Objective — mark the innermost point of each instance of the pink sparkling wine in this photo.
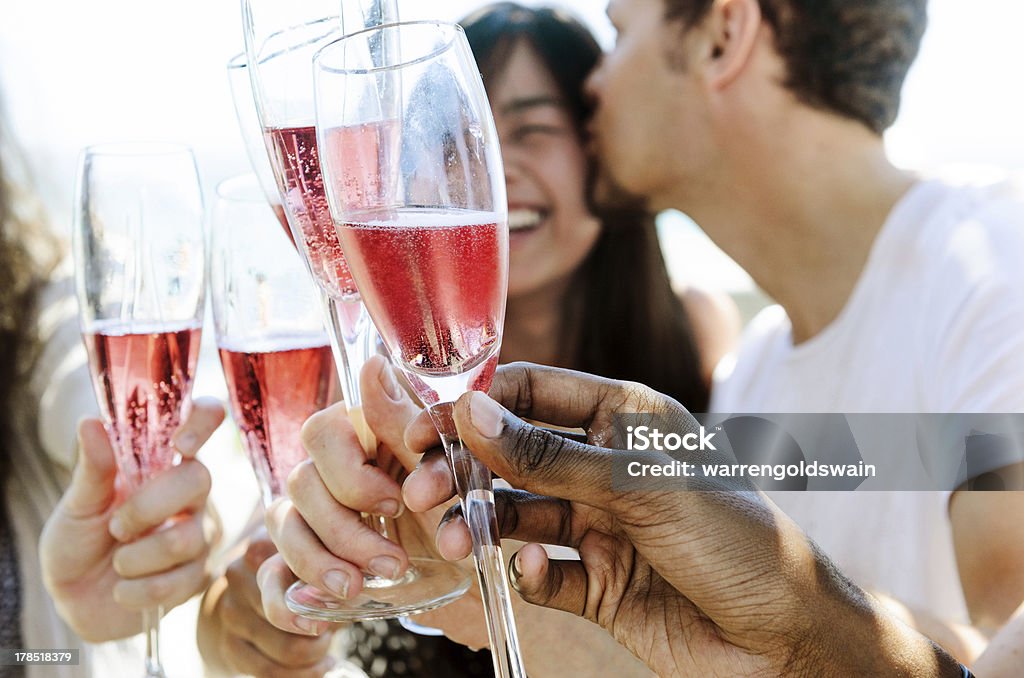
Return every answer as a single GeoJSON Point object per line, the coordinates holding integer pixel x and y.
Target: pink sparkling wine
{"type": "Point", "coordinates": [434, 283]}
{"type": "Point", "coordinates": [143, 381]}
{"type": "Point", "coordinates": [302, 185]}
{"type": "Point", "coordinates": [273, 389]}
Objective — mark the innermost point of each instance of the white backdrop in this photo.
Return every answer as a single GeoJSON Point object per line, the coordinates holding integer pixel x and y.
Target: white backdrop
{"type": "Point", "coordinates": [75, 73]}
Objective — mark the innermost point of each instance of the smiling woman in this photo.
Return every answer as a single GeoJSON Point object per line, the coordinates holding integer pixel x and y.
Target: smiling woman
{"type": "Point", "coordinates": [588, 287]}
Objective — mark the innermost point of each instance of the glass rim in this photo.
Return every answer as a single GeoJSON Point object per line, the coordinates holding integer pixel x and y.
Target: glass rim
{"type": "Point", "coordinates": [321, 54]}
{"type": "Point", "coordinates": [138, 149]}
{"type": "Point", "coordinates": [240, 60]}
{"type": "Point", "coordinates": [269, 43]}
{"type": "Point", "coordinates": [226, 189]}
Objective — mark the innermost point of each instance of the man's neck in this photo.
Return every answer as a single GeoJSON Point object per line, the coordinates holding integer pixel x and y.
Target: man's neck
{"type": "Point", "coordinates": [802, 217]}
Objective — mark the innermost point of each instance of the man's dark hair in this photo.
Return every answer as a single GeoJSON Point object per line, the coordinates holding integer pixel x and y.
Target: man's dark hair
{"type": "Point", "coordinates": [847, 57]}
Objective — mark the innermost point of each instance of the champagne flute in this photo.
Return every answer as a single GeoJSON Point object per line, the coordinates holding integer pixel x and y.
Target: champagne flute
{"type": "Point", "coordinates": [273, 348]}
{"type": "Point", "coordinates": [420, 208]}
{"type": "Point", "coordinates": [252, 136]}
{"type": "Point", "coordinates": [280, 42]}
{"type": "Point", "coordinates": [140, 278]}
{"type": "Point", "coordinates": [260, 161]}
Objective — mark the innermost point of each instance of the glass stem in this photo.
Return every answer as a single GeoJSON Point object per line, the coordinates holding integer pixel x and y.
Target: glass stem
{"type": "Point", "coordinates": [151, 625]}
{"type": "Point", "coordinates": [354, 341]}
{"type": "Point", "coordinates": [473, 483]}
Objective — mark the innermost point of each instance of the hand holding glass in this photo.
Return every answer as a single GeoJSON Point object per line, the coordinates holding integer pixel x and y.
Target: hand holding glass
{"type": "Point", "coordinates": [140, 276]}
{"type": "Point", "coordinates": [280, 43]}
{"type": "Point", "coordinates": [415, 183]}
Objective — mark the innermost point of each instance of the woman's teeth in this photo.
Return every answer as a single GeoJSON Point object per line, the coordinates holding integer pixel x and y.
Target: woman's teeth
{"type": "Point", "coordinates": [519, 220]}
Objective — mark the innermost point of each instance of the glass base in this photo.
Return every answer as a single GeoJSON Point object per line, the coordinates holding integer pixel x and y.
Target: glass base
{"type": "Point", "coordinates": [419, 629]}
{"type": "Point", "coordinates": [427, 585]}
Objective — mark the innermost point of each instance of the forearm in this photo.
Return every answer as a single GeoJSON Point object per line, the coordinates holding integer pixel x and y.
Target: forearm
{"type": "Point", "coordinates": [819, 622]}
{"type": "Point", "coordinates": [1005, 653]}
{"type": "Point", "coordinates": [831, 627]}
{"type": "Point", "coordinates": [988, 538]}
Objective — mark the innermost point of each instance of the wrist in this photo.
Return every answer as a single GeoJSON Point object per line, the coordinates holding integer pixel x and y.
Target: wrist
{"type": "Point", "coordinates": [861, 637]}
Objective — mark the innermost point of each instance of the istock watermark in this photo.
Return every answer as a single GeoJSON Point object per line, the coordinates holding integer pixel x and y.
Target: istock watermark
{"type": "Point", "coordinates": [643, 438]}
{"type": "Point", "coordinates": [833, 452]}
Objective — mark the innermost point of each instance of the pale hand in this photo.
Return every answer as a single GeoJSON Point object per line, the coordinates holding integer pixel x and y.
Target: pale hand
{"type": "Point", "coordinates": [235, 636]}
{"type": "Point", "coordinates": [102, 561]}
{"type": "Point", "coordinates": [318, 530]}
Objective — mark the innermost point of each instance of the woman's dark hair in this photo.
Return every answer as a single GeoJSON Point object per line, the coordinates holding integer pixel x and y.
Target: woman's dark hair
{"type": "Point", "coordinates": [623, 321]}
{"type": "Point", "coordinates": [27, 255]}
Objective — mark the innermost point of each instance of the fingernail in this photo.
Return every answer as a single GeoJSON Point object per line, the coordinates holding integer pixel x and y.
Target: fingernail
{"type": "Point", "coordinates": [448, 520]}
{"type": "Point", "coordinates": [307, 626]}
{"type": "Point", "coordinates": [514, 573]}
{"type": "Point", "coordinates": [450, 516]}
{"type": "Point", "coordinates": [389, 508]}
{"type": "Point", "coordinates": [385, 567]}
{"type": "Point", "coordinates": [186, 443]}
{"type": "Point", "coordinates": [390, 384]}
{"type": "Point", "coordinates": [336, 582]}
{"type": "Point", "coordinates": [487, 416]}
{"type": "Point", "coordinates": [117, 530]}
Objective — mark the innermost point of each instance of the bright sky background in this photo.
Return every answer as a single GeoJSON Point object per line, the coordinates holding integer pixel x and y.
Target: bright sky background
{"type": "Point", "coordinates": [75, 73]}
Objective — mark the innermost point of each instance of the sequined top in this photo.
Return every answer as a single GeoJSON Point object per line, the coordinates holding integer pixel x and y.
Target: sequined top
{"type": "Point", "coordinates": [10, 593]}
{"type": "Point", "coordinates": [385, 649]}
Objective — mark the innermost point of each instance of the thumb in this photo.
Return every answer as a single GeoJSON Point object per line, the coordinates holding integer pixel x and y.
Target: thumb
{"type": "Point", "coordinates": [388, 408]}
{"type": "Point", "coordinates": [92, 489]}
{"type": "Point", "coordinates": [533, 458]}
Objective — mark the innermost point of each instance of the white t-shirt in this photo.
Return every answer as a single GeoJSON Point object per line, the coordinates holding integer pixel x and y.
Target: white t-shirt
{"type": "Point", "coordinates": [935, 324]}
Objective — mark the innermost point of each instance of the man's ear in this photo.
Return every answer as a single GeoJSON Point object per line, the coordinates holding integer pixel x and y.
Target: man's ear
{"type": "Point", "coordinates": [731, 28]}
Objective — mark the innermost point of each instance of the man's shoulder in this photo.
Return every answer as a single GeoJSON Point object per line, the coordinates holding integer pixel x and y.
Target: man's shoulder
{"type": "Point", "coordinates": [970, 235]}
{"type": "Point", "coordinates": [992, 211]}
